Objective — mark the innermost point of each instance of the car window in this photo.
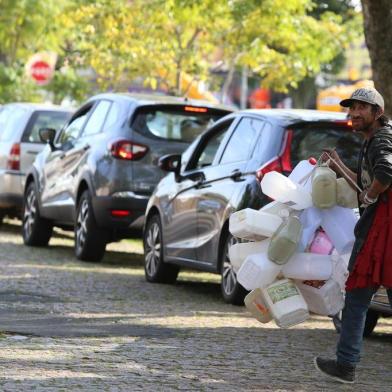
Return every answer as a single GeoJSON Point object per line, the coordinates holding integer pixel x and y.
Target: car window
{"type": "Point", "coordinates": [72, 130]}
{"type": "Point", "coordinates": [95, 122]}
{"type": "Point", "coordinates": [206, 154]}
{"type": "Point", "coordinates": [44, 119]}
{"type": "Point", "coordinates": [243, 141]}
{"type": "Point", "coordinates": [12, 119]}
{"type": "Point", "coordinates": [113, 115]}
{"type": "Point", "coordinates": [182, 123]}
{"type": "Point", "coordinates": [309, 141]}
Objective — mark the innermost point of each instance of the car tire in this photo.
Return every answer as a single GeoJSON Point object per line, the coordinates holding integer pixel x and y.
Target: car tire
{"type": "Point", "coordinates": [90, 240]}
{"type": "Point", "coordinates": [370, 322]}
{"type": "Point", "coordinates": [36, 231]}
{"type": "Point", "coordinates": [155, 269]}
{"type": "Point", "coordinates": [232, 292]}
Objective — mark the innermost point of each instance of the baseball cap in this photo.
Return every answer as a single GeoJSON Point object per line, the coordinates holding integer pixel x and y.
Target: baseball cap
{"type": "Point", "coordinates": [365, 94]}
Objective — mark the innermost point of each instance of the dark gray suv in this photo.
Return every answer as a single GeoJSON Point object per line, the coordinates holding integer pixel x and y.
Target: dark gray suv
{"type": "Point", "coordinates": [97, 174]}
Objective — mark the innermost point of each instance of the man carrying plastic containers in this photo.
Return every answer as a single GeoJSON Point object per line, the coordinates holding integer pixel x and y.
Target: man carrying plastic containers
{"type": "Point", "coordinates": [370, 263]}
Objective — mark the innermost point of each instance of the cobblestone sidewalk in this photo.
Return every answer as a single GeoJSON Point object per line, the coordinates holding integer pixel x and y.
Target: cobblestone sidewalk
{"type": "Point", "coordinates": [72, 326]}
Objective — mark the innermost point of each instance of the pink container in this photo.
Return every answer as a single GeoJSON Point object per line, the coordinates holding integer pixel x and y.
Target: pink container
{"type": "Point", "coordinates": [321, 244]}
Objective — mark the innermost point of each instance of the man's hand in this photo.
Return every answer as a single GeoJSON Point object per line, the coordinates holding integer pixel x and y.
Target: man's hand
{"type": "Point", "coordinates": [326, 156]}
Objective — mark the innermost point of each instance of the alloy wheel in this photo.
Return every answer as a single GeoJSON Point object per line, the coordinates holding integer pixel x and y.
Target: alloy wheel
{"type": "Point", "coordinates": [30, 213]}
{"type": "Point", "coordinates": [152, 249]}
{"type": "Point", "coordinates": [81, 224]}
{"type": "Point", "coordinates": [229, 277]}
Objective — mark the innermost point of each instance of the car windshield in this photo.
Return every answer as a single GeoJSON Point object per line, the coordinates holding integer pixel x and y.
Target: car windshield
{"type": "Point", "coordinates": [309, 140]}
{"type": "Point", "coordinates": [182, 123]}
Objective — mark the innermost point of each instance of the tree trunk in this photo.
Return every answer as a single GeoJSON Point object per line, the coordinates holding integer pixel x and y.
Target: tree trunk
{"type": "Point", "coordinates": [378, 35]}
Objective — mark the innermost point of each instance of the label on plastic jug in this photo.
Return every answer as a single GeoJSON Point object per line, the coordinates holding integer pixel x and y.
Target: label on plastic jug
{"type": "Point", "coordinates": [282, 291]}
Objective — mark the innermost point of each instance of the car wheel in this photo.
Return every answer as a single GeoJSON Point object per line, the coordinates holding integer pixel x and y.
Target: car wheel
{"type": "Point", "coordinates": [370, 322]}
{"type": "Point", "coordinates": [155, 269]}
{"type": "Point", "coordinates": [36, 230]}
{"type": "Point", "coordinates": [90, 240]}
{"type": "Point", "coordinates": [232, 292]}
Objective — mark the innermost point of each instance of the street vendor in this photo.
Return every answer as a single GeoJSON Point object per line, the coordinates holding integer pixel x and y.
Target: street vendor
{"type": "Point", "coordinates": [370, 264]}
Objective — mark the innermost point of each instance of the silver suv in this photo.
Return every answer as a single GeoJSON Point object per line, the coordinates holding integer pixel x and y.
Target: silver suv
{"type": "Point", "coordinates": [96, 175]}
{"type": "Point", "coordinates": [19, 144]}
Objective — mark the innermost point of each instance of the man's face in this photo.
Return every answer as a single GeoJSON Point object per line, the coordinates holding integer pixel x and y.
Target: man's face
{"type": "Point", "coordinates": [362, 115]}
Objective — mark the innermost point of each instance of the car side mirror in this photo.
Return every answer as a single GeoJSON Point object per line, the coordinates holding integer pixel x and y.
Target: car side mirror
{"type": "Point", "coordinates": [47, 135]}
{"type": "Point", "coordinates": [171, 163]}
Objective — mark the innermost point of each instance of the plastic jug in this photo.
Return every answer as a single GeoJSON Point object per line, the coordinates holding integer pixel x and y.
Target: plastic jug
{"type": "Point", "coordinates": [277, 208]}
{"type": "Point", "coordinates": [254, 302]}
{"type": "Point", "coordinates": [324, 187]}
{"type": "Point", "coordinates": [321, 243]}
{"type": "Point", "coordinates": [305, 266]}
{"type": "Point", "coordinates": [257, 271]}
{"type": "Point", "coordinates": [311, 221]}
{"type": "Point", "coordinates": [339, 223]}
{"type": "Point", "coordinates": [285, 240]}
{"type": "Point", "coordinates": [240, 251]}
{"type": "Point", "coordinates": [301, 174]}
{"type": "Point", "coordinates": [286, 303]}
{"type": "Point", "coordinates": [324, 298]}
{"type": "Point", "coordinates": [281, 188]}
{"type": "Point", "coordinates": [346, 196]}
{"type": "Point", "coordinates": [339, 271]}
{"type": "Point", "coordinates": [252, 224]}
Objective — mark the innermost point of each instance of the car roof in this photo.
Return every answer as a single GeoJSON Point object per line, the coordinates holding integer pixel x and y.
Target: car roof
{"type": "Point", "coordinates": [155, 99]}
{"type": "Point", "coordinates": [38, 106]}
{"type": "Point", "coordinates": [292, 116]}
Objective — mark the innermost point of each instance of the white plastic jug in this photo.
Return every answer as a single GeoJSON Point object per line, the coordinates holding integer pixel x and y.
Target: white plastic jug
{"type": "Point", "coordinates": [346, 196]}
{"type": "Point", "coordinates": [285, 240]}
{"type": "Point", "coordinates": [240, 251]}
{"type": "Point", "coordinates": [339, 270]}
{"type": "Point", "coordinates": [339, 223]}
{"type": "Point", "coordinates": [257, 271]}
{"type": "Point", "coordinates": [324, 187]}
{"type": "Point", "coordinates": [285, 302]}
{"type": "Point", "coordinates": [281, 188]}
{"type": "Point", "coordinates": [305, 266]}
{"type": "Point", "coordinates": [277, 208]}
{"type": "Point", "coordinates": [252, 224]}
{"type": "Point", "coordinates": [324, 298]}
{"type": "Point", "coordinates": [311, 221]}
{"type": "Point", "coordinates": [301, 174]}
{"type": "Point", "coordinates": [254, 302]}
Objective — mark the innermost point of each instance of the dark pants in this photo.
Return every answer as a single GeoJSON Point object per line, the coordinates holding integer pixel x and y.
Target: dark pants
{"type": "Point", "coordinates": [353, 323]}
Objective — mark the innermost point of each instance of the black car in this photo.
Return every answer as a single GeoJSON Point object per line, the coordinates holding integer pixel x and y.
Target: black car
{"type": "Point", "coordinates": [188, 214]}
{"type": "Point", "coordinates": [96, 175]}
{"type": "Point", "coordinates": [379, 307]}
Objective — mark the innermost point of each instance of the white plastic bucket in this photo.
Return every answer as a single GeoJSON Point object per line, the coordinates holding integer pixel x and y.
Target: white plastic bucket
{"type": "Point", "coordinates": [252, 224]}
{"type": "Point", "coordinates": [339, 223]}
{"type": "Point", "coordinates": [277, 208]}
{"type": "Point", "coordinates": [240, 251]}
{"type": "Point", "coordinates": [254, 302]}
{"type": "Point", "coordinates": [311, 221]}
{"type": "Point", "coordinates": [324, 298]}
{"type": "Point", "coordinates": [305, 266]}
{"type": "Point", "coordinates": [285, 302]}
{"type": "Point", "coordinates": [281, 188]}
{"type": "Point", "coordinates": [257, 271]}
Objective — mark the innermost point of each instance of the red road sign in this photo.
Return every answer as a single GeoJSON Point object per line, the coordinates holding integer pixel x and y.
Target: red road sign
{"type": "Point", "coordinates": [41, 71]}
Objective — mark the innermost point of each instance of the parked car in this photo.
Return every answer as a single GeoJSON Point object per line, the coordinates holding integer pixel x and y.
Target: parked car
{"type": "Point", "coordinates": [188, 214]}
{"type": "Point", "coordinates": [379, 307]}
{"type": "Point", "coordinates": [19, 144]}
{"type": "Point", "coordinates": [97, 174]}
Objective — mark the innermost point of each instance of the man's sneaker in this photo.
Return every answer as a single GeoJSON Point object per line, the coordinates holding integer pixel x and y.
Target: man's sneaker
{"type": "Point", "coordinates": [337, 371]}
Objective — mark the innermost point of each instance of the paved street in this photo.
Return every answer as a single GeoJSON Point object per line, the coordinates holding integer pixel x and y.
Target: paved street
{"type": "Point", "coordinates": [72, 326]}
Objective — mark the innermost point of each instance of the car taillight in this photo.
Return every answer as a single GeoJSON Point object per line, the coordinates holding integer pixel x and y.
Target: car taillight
{"type": "Point", "coordinates": [120, 213]}
{"type": "Point", "coordinates": [125, 149]}
{"type": "Point", "coordinates": [13, 162]}
{"type": "Point", "coordinates": [280, 163]}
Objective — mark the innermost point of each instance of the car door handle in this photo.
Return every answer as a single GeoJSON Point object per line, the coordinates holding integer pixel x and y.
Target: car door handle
{"type": "Point", "coordinates": [32, 152]}
{"type": "Point", "coordinates": [236, 175]}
